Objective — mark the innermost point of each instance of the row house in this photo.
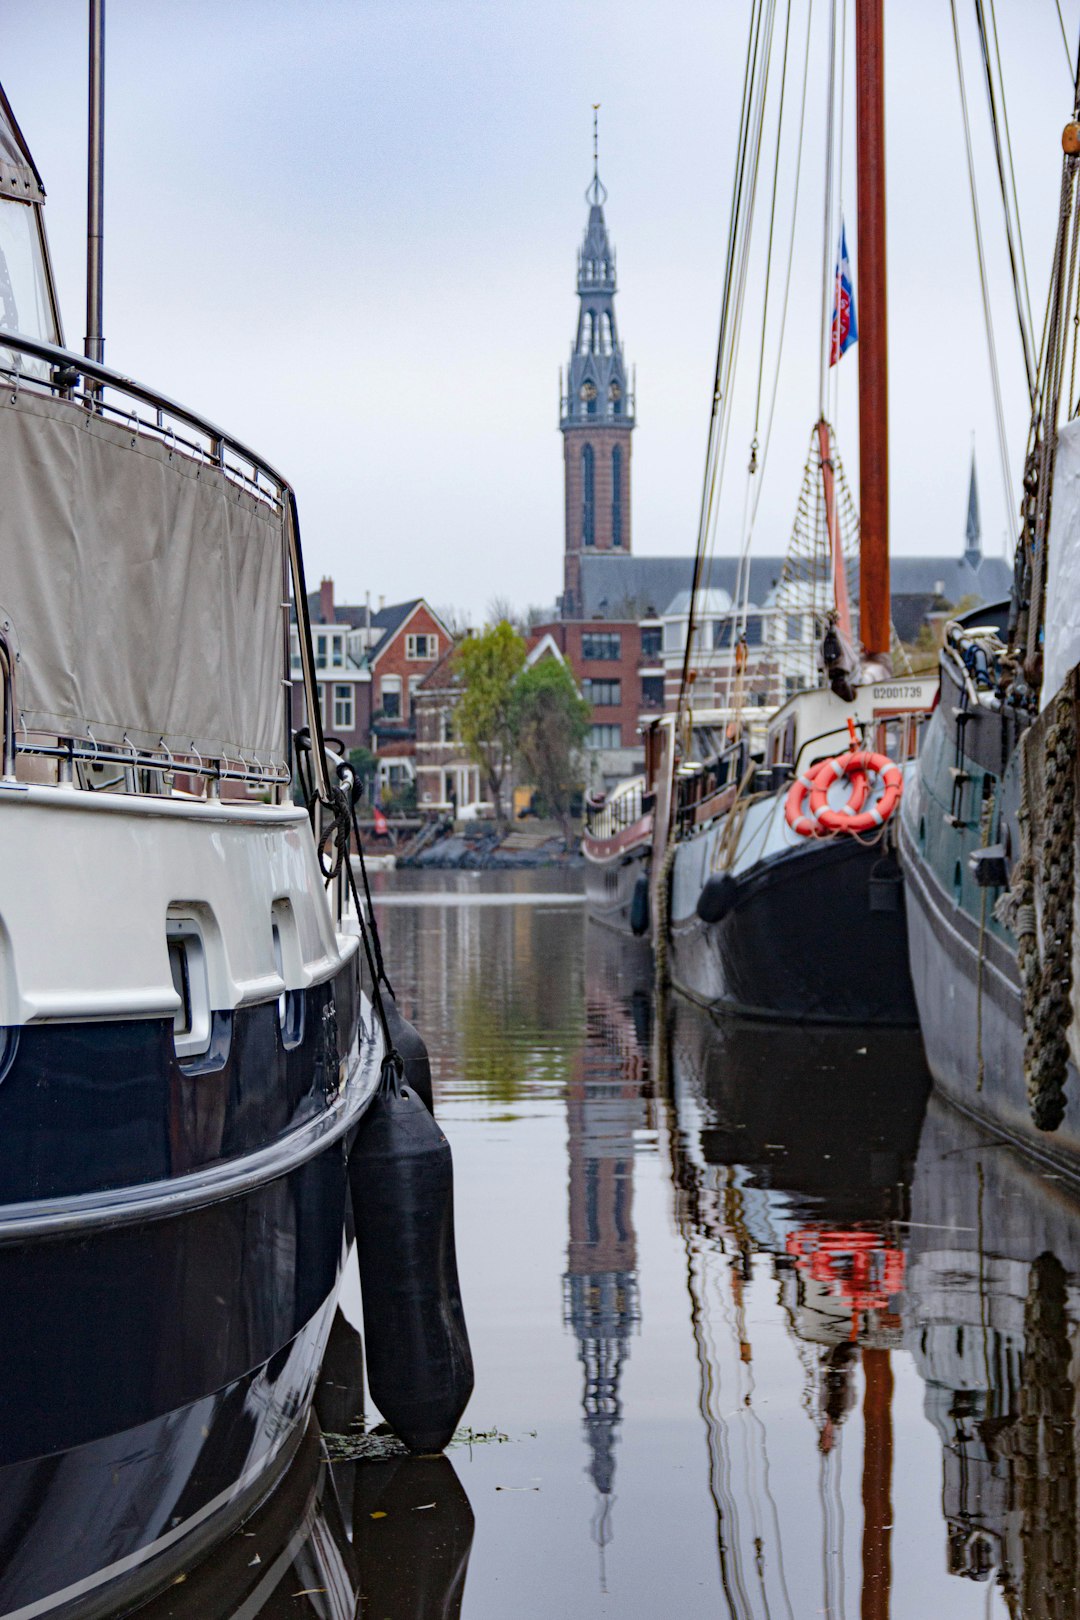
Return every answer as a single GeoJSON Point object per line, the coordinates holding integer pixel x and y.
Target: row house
{"type": "Point", "coordinates": [369, 665]}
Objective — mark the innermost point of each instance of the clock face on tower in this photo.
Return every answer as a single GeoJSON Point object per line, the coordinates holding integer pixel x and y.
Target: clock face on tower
{"type": "Point", "coordinates": [588, 391]}
{"type": "Point", "coordinates": [615, 392]}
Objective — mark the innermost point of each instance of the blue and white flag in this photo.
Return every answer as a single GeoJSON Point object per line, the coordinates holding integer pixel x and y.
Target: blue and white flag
{"type": "Point", "coordinates": [845, 326]}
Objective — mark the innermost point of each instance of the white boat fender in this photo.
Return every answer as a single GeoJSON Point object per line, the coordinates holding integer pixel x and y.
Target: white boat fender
{"type": "Point", "coordinates": [718, 897]}
{"type": "Point", "coordinates": [419, 1363]}
{"type": "Point", "coordinates": [639, 907]}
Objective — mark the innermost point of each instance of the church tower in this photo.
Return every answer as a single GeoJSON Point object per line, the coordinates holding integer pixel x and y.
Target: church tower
{"type": "Point", "coordinates": [596, 411]}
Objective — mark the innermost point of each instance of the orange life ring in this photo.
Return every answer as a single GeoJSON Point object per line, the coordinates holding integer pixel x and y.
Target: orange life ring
{"type": "Point", "coordinates": [817, 784]}
{"type": "Point", "coordinates": [851, 817]}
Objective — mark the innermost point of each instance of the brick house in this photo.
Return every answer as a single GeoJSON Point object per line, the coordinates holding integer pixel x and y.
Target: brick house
{"type": "Point", "coordinates": [369, 666]}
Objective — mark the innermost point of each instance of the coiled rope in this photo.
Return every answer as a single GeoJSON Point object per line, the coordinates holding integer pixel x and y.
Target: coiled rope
{"type": "Point", "coordinates": [1046, 968]}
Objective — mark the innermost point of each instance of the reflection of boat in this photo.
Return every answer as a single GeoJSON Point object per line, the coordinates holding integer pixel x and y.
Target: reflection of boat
{"type": "Point", "coordinates": [826, 1119]}
{"type": "Point", "coordinates": [991, 1321]}
{"type": "Point", "coordinates": [338, 1540]}
{"type": "Point", "coordinates": [185, 1052]}
{"type": "Point", "coordinates": [791, 1155]}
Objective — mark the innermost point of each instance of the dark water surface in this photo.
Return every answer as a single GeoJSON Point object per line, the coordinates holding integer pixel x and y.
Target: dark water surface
{"type": "Point", "coordinates": [758, 1330]}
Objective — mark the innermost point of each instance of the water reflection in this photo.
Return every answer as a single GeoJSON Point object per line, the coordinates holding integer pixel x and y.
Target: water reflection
{"type": "Point", "coordinates": [791, 1153]}
{"type": "Point", "coordinates": [342, 1540]}
{"type": "Point", "coordinates": [765, 1333]}
{"type": "Point", "coordinates": [992, 1325]}
{"type": "Point", "coordinates": [607, 1103]}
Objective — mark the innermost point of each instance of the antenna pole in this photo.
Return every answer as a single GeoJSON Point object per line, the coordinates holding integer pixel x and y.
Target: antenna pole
{"type": "Point", "coordinates": [874, 606]}
{"type": "Point", "coordinates": [94, 346]}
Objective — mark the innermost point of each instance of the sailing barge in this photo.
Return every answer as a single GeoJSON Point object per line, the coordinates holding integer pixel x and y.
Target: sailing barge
{"type": "Point", "coordinates": [775, 886]}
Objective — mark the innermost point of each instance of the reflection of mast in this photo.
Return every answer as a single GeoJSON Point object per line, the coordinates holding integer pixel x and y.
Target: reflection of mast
{"type": "Point", "coordinates": [877, 1484]}
{"type": "Point", "coordinates": [600, 1297]}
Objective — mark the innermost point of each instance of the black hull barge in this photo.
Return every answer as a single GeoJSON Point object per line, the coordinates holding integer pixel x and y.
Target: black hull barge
{"type": "Point", "coordinates": [780, 951]}
{"type": "Point", "coordinates": [767, 916]}
{"type": "Point", "coordinates": [617, 846]}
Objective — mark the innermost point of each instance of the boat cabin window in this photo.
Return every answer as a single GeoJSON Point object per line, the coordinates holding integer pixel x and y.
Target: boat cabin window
{"type": "Point", "coordinates": [25, 305]}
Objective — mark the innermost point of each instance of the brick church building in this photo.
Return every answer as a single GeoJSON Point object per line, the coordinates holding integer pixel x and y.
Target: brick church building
{"type": "Point", "coordinates": [621, 621]}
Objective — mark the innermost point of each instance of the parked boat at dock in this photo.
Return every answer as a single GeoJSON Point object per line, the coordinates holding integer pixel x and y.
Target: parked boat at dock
{"type": "Point", "coordinates": [189, 1038]}
{"type": "Point", "coordinates": [989, 830]}
{"type": "Point", "coordinates": [776, 892]}
{"type": "Point", "coordinates": [617, 846]}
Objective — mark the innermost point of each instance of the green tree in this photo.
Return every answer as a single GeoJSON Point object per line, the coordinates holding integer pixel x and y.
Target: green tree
{"type": "Point", "coordinates": [489, 665]}
{"type": "Point", "coordinates": [550, 719]}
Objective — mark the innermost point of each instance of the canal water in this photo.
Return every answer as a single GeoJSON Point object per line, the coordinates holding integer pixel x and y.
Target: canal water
{"type": "Point", "coordinates": [761, 1328]}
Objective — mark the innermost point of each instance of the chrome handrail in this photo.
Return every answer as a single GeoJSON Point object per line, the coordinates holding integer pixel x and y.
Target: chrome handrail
{"type": "Point", "coordinates": [68, 367]}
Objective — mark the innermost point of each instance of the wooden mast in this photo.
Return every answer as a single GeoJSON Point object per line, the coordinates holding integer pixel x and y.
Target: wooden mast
{"type": "Point", "coordinates": [874, 612]}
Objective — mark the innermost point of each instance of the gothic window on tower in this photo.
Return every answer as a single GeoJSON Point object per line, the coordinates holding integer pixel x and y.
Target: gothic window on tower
{"type": "Point", "coordinates": [588, 519]}
{"type": "Point", "coordinates": [588, 398]}
{"type": "Point", "coordinates": [614, 400]}
{"type": "Point", "coordinates": [616, 496]}
{"type": "Point", "coordinates": [588, 333]}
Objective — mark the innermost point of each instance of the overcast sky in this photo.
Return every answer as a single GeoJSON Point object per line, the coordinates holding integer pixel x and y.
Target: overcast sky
{"type": "Point", "coordinates": [347, 232]}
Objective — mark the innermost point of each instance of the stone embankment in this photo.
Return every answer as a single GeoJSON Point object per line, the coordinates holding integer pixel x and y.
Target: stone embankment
{"type": "Point", "coordinates": [478, 847]}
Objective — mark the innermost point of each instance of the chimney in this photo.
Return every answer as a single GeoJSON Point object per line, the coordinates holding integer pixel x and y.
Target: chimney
{"type": "Point", "coordinates": [382, 603]}
{"type": "Point", "coordinates": [326, 601]}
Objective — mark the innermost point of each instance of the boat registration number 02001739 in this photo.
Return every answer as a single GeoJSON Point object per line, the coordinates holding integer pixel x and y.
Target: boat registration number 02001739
{"type": "Point", "coordinates": [905, 694]}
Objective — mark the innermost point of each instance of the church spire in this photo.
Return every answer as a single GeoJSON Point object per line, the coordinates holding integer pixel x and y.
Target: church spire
{"type": "Point", "coordinates": [973, 532]}
{"type": "Point", "coordinates": [597, 409]}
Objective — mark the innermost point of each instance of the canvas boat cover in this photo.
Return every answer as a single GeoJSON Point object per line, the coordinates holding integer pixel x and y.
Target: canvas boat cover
{"type": "Point", "coordinates": [1061, 649]}
{"type": "Point", "coordinates": [18, 171]}
{"type": "Point", "coordinates": [142, 588]}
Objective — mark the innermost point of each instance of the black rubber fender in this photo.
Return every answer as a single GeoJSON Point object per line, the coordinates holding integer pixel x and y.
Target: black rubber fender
{"type": "Point", "coordinates": [717, 897]}
{"type": "Point", "coordinates": [401, 1175]}
{"type": "Point", "coordinates": [410, 1046]}
{"type": "Point", "coordinates": [639, 907]}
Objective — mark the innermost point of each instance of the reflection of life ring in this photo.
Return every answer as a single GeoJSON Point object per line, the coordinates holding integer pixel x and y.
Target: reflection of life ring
{"type": "Point", "coordinates": [817, 784]}
{"type": "Point", "coordinates": [851, 817]}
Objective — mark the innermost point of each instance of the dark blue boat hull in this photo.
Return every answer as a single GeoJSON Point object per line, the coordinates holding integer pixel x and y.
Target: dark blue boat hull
{"type": "Point", "coordinates": [166, 1318]}
{"type": "Point", "coordinates": [803, 941]}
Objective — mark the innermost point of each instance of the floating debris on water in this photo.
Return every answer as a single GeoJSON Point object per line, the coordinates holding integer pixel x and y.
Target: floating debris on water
{"type": "Point", "coordinates": [377, 1447]}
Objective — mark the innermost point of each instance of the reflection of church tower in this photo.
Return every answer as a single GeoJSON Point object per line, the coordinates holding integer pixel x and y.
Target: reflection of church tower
{"type": "Point", "coordinates": [600, 1298]}
{"type": "Point", "coordinates": [596, 411]}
